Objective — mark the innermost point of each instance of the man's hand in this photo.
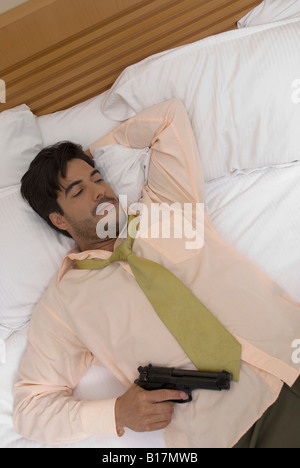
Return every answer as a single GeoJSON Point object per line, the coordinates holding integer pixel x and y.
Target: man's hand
{"type": "Point", "coordinates": [88, 153]}
{"type": "Point", "coordinates": [144, 411]}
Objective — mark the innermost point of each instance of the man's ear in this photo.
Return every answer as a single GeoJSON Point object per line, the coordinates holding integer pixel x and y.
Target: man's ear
{"type": "Point", "coordinates": [58, 221]}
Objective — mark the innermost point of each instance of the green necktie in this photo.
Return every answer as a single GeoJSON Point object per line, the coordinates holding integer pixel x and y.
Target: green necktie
{"type": "Point", "coordinates": [203, 338]}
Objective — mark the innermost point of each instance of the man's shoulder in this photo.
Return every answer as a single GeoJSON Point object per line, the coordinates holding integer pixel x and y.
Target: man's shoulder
{"type": "Point", "coordinates": [51, 308]}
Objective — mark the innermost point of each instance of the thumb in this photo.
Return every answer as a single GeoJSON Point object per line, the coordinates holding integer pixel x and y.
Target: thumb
{"type": "Point", "coordinates": [120, 431]}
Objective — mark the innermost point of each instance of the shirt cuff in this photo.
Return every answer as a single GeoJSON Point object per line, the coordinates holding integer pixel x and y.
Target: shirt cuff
{"type": "Point", "coordinates": [98, 417]}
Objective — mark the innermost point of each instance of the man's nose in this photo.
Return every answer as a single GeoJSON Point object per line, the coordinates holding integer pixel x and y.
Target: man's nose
{"type": "Point", "coordinates": [98, 191]}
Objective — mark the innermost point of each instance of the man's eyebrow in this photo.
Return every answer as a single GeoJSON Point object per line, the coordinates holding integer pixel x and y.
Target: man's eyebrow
{"type": "Point", "coordinates": [95, 171]}
{"type": "Point", "coordinates": [69, 188]}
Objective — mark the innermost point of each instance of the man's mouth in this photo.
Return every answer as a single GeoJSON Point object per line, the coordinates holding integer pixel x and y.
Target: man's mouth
{"type": "Point", "coordinates": [105, 207]}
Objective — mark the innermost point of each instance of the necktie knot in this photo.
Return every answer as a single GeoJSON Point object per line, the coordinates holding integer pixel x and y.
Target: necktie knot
{"type": "Point", "coordinates": [123, 251]}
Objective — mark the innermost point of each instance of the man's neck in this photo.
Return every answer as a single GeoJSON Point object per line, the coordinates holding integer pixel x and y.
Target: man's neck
{"type": "Point", "coordinates": [107, 244]}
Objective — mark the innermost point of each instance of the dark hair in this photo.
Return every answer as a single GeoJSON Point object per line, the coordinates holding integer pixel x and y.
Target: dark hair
{"type": "Point", "coordinates": [40, 184]}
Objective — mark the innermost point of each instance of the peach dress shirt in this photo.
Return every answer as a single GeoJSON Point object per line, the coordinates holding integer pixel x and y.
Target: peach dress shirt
{"type": "Point", "coordinates": [103, 317]}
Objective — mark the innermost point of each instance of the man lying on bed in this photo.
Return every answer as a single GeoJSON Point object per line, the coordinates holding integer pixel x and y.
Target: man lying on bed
{"type": "Point", "coordinates": [103, 317]}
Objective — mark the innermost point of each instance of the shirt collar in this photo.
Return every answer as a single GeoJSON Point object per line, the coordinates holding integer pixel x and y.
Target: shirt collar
{"type": "Point", "coordinates": [68, 262]}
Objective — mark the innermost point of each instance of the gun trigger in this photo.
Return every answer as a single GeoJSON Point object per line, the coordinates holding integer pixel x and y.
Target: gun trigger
{"type": "Point", "coordinates": [190, 398]}
{"type": "Point", "coordinates": [189, 394]}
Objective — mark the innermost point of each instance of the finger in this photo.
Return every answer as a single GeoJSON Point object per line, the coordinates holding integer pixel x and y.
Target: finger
{"type": "Point", "coordinates": [158, 396]}
{"type": "Point", "coordinates": [88, 153]}
{"type": "Point", "coordinates": [157, 426]}
{"type": "Point", "coordinates": [157, 408]}
{"type": "Point", "coordinates": [155, 422]}
{"type": "Point", "coordinates": [120, 431]}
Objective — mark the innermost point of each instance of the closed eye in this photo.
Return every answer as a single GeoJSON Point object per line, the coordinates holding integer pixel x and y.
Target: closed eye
{"type": "Point", "coordinates": [78, 193]}
{"type": "Point", "coordinates": [98, 181]}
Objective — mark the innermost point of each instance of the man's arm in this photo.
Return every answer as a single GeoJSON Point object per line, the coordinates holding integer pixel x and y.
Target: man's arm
{"type": "Point", "coordinates": [53, 364]}
{"type": "Point", "coordinates": [175, 173]}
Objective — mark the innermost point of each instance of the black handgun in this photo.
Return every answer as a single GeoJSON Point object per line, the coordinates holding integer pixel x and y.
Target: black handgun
{"type": "Point", "coordinates": [156, 378]}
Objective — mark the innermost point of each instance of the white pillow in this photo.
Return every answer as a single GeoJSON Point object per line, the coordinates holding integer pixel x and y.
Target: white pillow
{"type": "Point", "coordinates": [238, 89]}
{"type": "Point", "coordinates": [20, 142]}
{"type": "Point", "coordinates": [124, 169]}
{"type": "Point", "coordinates": [31, 254]}
{"type": "Point", "coordinates": [81, 124]}
{"type": "Point", "coordinates": [269, 11]}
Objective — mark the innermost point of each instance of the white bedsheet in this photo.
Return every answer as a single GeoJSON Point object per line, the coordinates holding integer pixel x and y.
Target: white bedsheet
{"type": "Point", "coordinates": [258, 214]}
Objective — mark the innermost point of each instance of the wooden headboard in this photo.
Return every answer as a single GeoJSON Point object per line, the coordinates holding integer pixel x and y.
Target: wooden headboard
{"type": "Point", "coordinates": [57, 53]}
